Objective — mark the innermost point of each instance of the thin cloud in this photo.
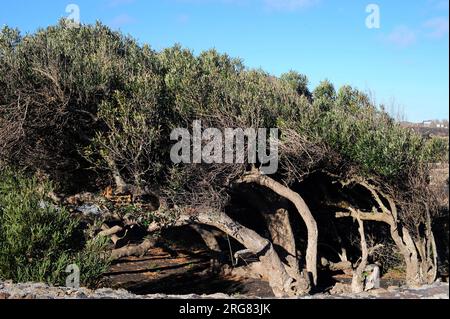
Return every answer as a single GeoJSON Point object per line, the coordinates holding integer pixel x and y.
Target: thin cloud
{"type": "Point", "coordinates": [439, 4]}
{"type": "Point", "coordinates": [402, 37]}
{"type": "Point", "coordinates": [122, 20]}
{"type": "Point", "coordinates": [183, 18]}
{"type": "Point", "coordinates": [271, 5]}
{"type": "Point", "coordinates": [117, 3]}
{"type": "Point", "coordinates": [289, 5]}
{"type": "Point", "coordinates": [437, 27]}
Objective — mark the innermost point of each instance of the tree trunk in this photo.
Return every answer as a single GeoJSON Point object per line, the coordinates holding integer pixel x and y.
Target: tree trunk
{"type": "Point", "coordinates": [133, 250]}
{"type": "Point", "coordinates": [358, 277]}
{"type": "Point", "coordinates": [429, 256]}
{"type": "Point", "coordinates": [281, 283]}
{"type": "Point", "coordinates": [121, 185]}
{"type": "Point", "coordinates": [305, 213]}
{"type": "Point", "coordinates": [279, 226]}
{"type": "Point", "coordinates": [112, 232]}
{"type": "Point", "coordinates": [282, 236]}
{"type": "Point", "coordinates": [403, 241]}
{"type": "Point", "coordinates": [432, 268]}
{"type": "Point", "coordinates": [208, 237]}
{"type": "Point", "coordinates": [406, 246]}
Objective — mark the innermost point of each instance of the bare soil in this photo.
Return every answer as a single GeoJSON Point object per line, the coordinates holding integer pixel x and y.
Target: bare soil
{"type": "Point", "coordinates": [184, 273]}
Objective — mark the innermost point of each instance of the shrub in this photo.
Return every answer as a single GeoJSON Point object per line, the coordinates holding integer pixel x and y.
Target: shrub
{"type": "Point", "coordinates": [38, 239]}
{"type": "Point", "coordinates": [52, 83]}
{"type": "Point", "coordinates": [436, 150]}
{"type": "Point", "coordinates": [364, 135]}
{"type": "Point", "coordinates": [298, 82]}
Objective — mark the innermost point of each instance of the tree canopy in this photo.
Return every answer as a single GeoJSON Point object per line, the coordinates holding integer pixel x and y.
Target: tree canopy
{"type": "Point", "coordinates": [89, 107]}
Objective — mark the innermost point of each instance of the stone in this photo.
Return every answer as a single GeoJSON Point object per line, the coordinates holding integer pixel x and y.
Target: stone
{"type": "Point", "coordinates": [80, 295]}
{"type": "Point", "coordinates": [340, 288]}
{"type": "Point", "coordinates": [378, 291]}
{"type": "Point", "coordinates": [372, 281]}
{"type": "Point", "coordinates": [4, 295]}
{"type": "Point", "coordinates": [89, 209]}
{"type": "Point", "coordinates": [339, 291]}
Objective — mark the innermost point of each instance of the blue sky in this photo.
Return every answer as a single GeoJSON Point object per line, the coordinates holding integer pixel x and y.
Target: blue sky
{"type": "Point", "coordinates": [404, 63]}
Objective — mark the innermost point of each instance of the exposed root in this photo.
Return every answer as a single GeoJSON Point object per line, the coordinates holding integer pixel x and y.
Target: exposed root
{"type": "Point", "coordinates": [133, 250]}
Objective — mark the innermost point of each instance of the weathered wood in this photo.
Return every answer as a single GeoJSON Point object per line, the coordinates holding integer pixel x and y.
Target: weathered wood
{"type": "Point", "coordinates": [358, 278]}
{"type": "Point", "coordinates": [282, 235]}
{"type": "Point", "coordinates": [208, 237]}
{"type": "Point", "coordinates": [281, 283]}
{"type": "Point", "coordinates": [133, 250]}
{"type": "Point", "coordinates": [303, 209]}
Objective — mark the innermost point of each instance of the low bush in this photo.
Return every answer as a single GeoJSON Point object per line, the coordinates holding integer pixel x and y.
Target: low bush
{"type": "Point", "coordinates": [39, 239]}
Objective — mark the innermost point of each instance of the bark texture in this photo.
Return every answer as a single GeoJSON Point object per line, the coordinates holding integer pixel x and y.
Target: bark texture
{"type": "Point", "coordinates": [133, 250]}
{"type": "Point", "coordinates": [420, 261]}
{"type": "Point", "coordinates": [282, 236]}
{"type": "Point", "coordinates": [358, 277]}
{"type": "Point", "coordinates": [280, 281]}
{"type": "Point", "coordinates": [303, 209]}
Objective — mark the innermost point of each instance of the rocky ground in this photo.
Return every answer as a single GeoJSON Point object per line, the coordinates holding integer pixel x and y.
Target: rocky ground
{"type": "Point", "coordinates": [187, 274]}
{"type": "Point", "coordinates": [9, 290]}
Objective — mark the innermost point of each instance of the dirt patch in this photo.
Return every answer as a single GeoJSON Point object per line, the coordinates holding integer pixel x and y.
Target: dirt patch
{"type": "Point", "coordinates": [185, 273]}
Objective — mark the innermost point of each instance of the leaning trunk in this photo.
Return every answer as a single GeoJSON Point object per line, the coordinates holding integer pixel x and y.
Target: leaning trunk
{"type": "Point", "coordinates": [281, 283]}
{"type": "Point", "coordinates": [305, 213]}
{"type": "Point", "coordinates": [358, 277]}
{"type": "Point", "coordinates": [208, 237]}
{"type": "Point", "coordinates": [280, 229]}
{"type": "Point", "coordinates": [282, 236]}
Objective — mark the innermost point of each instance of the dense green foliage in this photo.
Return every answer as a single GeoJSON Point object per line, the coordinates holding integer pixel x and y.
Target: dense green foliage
{"type": "Point", "coordinates": [52, 84]}
{"type": "Point", "coordinates": [299, 82]}
{"type": "Point", "coordinates": [77, 99]}
{"type": "Point", "coordinates": [94, 92]}
{"type": "Point", "coordinates": [437, 149]}
{"type": "Point", "coordinates": [86, 105]}
{"type": "Point", "coordinates": [38, 240]}
{"type": "Point", "coordinates": [370, 139]}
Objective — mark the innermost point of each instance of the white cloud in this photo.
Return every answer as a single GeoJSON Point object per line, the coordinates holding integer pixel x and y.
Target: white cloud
{"type": "Point", "coordinates": [402, 36]}
{"type": "Point", "coordinates": [289, 5]}
{"type": "Point", "coordinates": [437, 27]}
